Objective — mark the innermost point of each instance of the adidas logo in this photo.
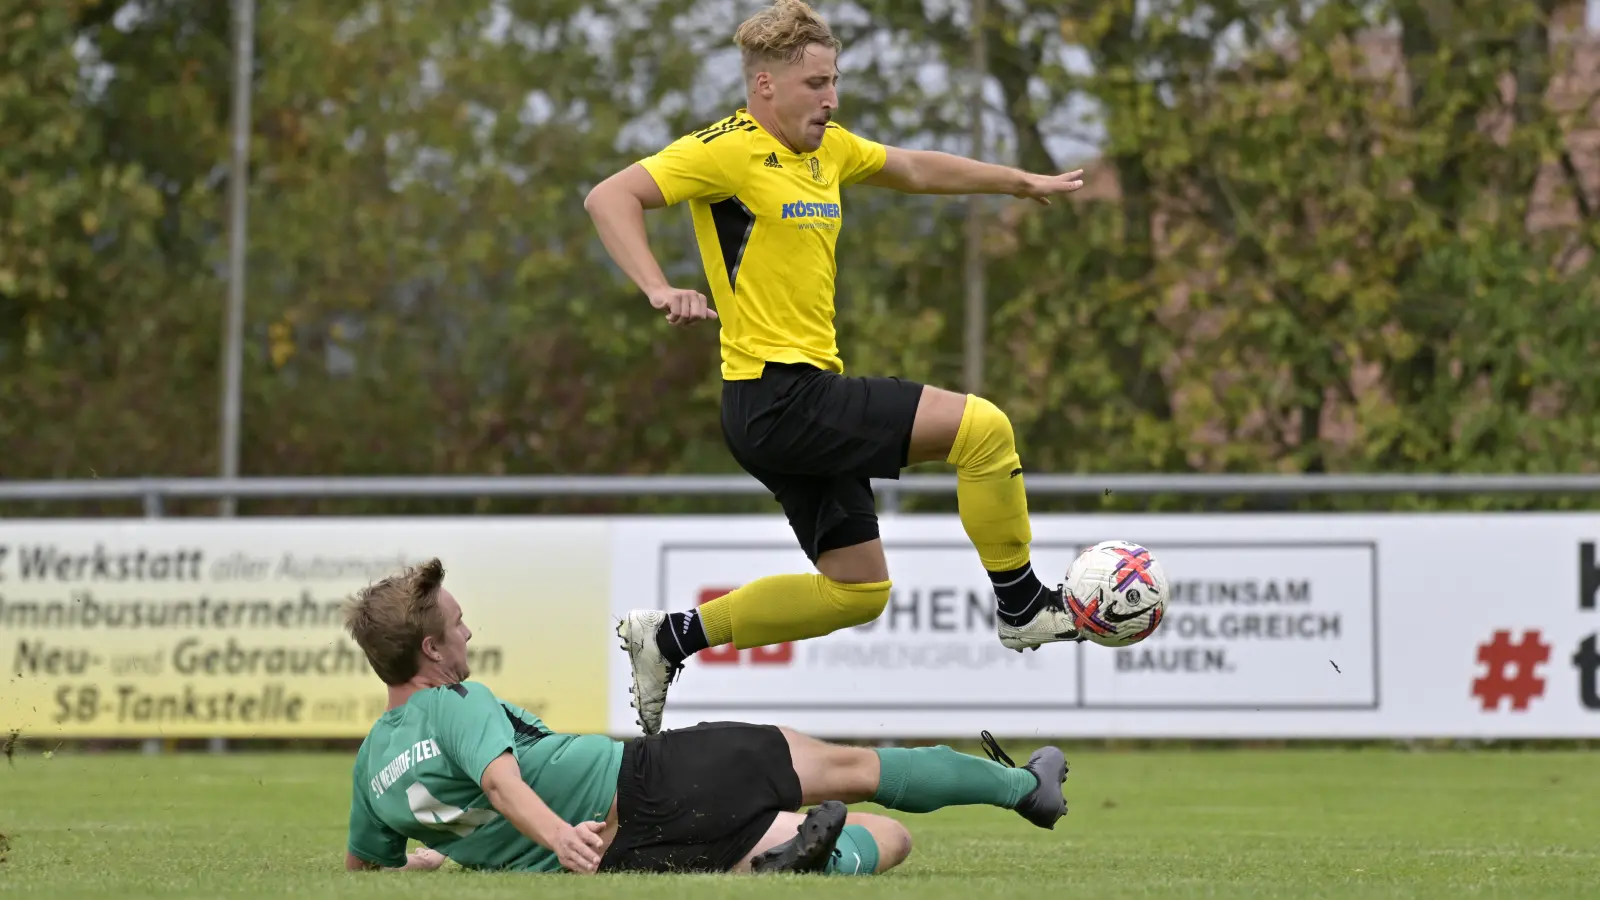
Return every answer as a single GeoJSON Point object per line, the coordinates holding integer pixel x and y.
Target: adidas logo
{"type": "Point", "coordinates": [772, 161]}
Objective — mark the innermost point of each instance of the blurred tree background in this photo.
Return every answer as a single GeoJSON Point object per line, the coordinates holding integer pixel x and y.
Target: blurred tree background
{"type": "Point", "coordinates": [1317, 237]}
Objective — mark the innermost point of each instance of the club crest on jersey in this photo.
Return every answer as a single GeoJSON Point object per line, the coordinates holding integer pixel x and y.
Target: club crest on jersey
{"type": "Point", "coordinates": [816, 170]}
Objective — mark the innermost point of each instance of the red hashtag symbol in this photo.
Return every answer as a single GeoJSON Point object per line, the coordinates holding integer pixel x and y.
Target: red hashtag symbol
{"type": "Point", "coordinates": [1512, 670]}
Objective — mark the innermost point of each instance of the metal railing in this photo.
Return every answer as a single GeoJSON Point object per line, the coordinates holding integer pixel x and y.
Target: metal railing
{"type": "Point", "coordinates": [155, 492]}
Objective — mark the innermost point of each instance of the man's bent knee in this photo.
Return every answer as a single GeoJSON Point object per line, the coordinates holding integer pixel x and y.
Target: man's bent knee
{"type": "Point", "coordinates": [894, 846]}
{"type": "Point", "coordinates": [987, 442]}
{"type": "Point", "coordinates": [891, 840]}
{"type": "Point", "coordinates": [858, 604]}
{"type": "Point", "coordinates": [862, 563]}
{"type": "Point", "coordinates": [938, 422]}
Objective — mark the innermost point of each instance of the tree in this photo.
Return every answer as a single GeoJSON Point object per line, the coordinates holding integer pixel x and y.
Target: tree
{"type": "Point", "coordinates": [94, 327]}
{"type": "Point", "coordinates": [1316, 237]}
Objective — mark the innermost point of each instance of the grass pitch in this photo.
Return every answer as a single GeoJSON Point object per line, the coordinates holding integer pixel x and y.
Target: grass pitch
{"type": "Point", "coordinates": [1208, 823]}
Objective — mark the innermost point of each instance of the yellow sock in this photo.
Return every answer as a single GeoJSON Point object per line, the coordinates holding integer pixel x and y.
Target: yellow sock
{"type": "Point", "coordinates": [716, 617]}
{"type": "Point", "coordinates": [782, 608]}
{"type": "Point", "coordinates": [990, 497]}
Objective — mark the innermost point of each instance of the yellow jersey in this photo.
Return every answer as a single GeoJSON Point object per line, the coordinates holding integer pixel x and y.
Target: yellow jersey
{"type": "Point", "coordinates": [767, 221]}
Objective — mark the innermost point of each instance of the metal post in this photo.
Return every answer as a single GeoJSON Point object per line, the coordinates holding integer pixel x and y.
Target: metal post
{"type": "Point", "coordinates": [238, 197]}
{"type": "Point", "coordinates": [975, 333]}
{"type": "Point", "coordinates": [238, 200]}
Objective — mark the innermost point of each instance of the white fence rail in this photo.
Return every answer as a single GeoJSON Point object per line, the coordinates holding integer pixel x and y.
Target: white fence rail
{"type": "Point", "coordinates": [154, 492]}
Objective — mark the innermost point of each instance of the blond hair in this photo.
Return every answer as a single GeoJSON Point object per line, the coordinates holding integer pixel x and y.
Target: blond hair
{"type": "Point", "coordinates": [390, 618]}
{"type": "Point", "coordinates": [781, 33]}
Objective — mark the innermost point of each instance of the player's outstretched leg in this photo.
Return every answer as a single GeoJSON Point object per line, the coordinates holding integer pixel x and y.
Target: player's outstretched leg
{"type": "Point", "coordinates": [828, 840]}
{"type": "Point", "coordinates": [924, 779]}
{"type": "Point", "coordinates": [766, 611]}
{"type": "Point", "coordinates": [976, 437]}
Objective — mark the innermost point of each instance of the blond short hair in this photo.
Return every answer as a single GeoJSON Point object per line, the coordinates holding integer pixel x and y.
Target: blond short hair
{"type": "Point", "coordinates": [389, 619]}
{"type": "Point", "coordinates": [781, 33]}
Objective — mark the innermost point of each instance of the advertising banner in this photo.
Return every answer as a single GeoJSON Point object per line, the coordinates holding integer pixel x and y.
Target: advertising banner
{"type": "Point", "coordinates": [1397, 626]}
{"type": "Point", "coordinates": [188, 628]}
{"type": "Point", "coordinates": [1278, 626]}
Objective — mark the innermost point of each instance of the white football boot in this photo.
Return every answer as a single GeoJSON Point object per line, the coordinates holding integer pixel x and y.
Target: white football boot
{"type": "Point", "coordinates": [652, 671]}
{"type": "Point", "coordinates": [1050, 624]}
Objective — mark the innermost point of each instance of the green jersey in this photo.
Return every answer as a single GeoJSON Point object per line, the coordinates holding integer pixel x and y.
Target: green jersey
{"type": "Point", "coordinates": [419, 772]}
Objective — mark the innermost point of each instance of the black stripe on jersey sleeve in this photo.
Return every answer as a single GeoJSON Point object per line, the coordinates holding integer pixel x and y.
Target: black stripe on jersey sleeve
{"type": "Point", "coordinates": [527, 733]}
{"type": "Point", "coordinates": [721, 125]}
{"type": "Point", "coordinates": [734, 222]}
{"type": "Point", "coordinates": [726, 126]}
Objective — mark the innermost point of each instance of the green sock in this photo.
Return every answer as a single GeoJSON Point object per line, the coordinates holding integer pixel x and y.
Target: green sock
{"type": "Point", "coordinates": [856, 853]}
{"type": "Point", "coordinates": [923, 779]}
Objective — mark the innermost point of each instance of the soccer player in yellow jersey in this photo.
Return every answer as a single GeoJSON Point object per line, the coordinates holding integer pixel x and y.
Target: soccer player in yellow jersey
{"type": "Point", "coordinates": [764, 186]}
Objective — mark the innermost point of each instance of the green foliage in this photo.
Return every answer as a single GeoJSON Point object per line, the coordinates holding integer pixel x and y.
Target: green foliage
{"type": "Point", "coordinates": [1319, 254]}
{"type": "Point", "coordinates": [1305, 247]}
{"type": "Point", "coordinates": [97, 334]}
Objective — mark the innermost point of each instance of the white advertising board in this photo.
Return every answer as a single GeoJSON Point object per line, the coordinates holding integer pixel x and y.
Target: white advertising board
{"type": "Point", "coordinates": [1279, 626]}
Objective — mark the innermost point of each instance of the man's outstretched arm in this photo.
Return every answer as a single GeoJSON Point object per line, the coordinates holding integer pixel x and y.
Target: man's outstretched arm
{"type": "Point", "coordinates": [933, 172]}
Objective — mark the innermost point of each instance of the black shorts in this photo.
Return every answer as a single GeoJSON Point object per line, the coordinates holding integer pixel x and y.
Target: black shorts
{"type": "Point", "coordinates": [698, 799]}
{"type": "Point", "coordinates": [815, 438]}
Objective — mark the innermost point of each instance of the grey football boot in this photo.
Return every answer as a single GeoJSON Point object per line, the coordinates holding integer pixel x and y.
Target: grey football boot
{"type": "Point", "coordinates": [1045, 804]}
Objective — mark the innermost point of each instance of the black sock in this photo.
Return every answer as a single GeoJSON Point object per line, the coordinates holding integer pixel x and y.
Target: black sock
{"type": "Point", "coordinates": [681, 636]}
{"type": "Point", "coordinates": [1019, 594]}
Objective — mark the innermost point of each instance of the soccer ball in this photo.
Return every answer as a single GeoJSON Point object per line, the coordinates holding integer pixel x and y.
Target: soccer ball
{"type": "Point", "coordinates": [1116, 593]}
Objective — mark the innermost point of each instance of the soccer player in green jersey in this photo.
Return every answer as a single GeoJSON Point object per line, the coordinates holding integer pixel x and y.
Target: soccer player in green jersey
{"type": "Point", "coordinates": [487, 784]}
{"type": "Point", "coordinates": [763, 186]}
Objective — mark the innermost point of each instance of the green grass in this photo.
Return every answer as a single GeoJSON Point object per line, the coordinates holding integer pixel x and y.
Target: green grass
{"type": "Point", "coordinates": [1234, 823]}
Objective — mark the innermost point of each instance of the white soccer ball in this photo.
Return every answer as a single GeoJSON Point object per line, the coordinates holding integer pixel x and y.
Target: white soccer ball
{"type": "Point", "coordinates": [1116, 593]}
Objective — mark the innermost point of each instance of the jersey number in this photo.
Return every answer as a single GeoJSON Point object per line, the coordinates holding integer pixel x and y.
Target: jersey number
{"type": "Point", "coordinates": [434, 813]}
